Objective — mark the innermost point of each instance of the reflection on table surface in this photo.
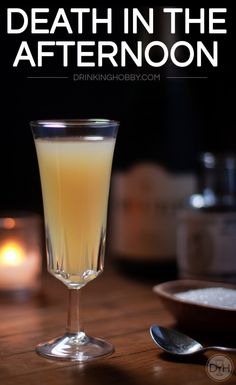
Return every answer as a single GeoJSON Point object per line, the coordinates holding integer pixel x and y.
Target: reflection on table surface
{"type": "Point", "coordinates": [117, 307]}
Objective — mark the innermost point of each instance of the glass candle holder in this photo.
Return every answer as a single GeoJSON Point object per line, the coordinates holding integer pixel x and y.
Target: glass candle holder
{"type": "Point", "coordinates": [20, 254]}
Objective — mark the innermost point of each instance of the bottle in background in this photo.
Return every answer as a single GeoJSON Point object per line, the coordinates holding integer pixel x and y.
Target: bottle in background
{"type": "Point", "coordinates": [145, 201]}
{"type": "Point", "coordinates": [206, 237]}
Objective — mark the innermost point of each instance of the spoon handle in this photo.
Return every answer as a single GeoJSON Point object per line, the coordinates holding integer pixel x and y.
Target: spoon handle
{"type": "Point", "coordinates": [220, 349]}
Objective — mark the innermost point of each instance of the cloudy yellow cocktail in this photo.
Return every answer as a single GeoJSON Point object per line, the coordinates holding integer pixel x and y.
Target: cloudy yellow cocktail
{"type": "Point", "coordinates": [75, 178]}
{"type": "Point", "coordinates": [75, 159]}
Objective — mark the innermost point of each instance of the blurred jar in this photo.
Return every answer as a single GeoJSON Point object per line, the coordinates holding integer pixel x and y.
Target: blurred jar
{"type": "Point", "coordinates": [206, 235]}
{"type": "Point", "coordinates": [145, 201]}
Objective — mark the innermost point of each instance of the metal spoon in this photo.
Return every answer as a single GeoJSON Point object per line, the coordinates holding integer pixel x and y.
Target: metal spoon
{"type": "Point", "coordinates": [174, 342]}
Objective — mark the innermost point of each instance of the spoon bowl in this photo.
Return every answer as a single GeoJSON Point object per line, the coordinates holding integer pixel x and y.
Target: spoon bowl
{"type": "Point", "coordinates": [174, 342]}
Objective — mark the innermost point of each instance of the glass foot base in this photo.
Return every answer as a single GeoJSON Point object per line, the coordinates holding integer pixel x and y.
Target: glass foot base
{"type": "Point", "coordinates": [75, 347]}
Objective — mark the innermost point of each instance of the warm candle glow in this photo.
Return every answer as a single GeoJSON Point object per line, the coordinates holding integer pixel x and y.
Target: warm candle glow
{"type": "Point", "coordinates": [20, 257]}
{"type": "Point", "coordinates": [11, 254]}
{"type": "Point", "coordinates": [9, 223]}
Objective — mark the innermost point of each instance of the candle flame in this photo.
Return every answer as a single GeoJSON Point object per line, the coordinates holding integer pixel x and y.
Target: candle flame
{"type": "Point", "coordinates": [11, 254]}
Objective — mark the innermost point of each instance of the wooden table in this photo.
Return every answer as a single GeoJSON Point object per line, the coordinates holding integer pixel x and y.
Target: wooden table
{"type": "Point", "coordinates": [114, 307]}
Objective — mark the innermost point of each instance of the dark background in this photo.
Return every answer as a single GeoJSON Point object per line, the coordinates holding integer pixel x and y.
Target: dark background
{"type": "Point", "coordinates": [170, 121]}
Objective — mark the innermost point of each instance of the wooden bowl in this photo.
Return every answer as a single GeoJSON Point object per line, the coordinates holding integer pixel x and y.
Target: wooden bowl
{"type": "Point", "coordinates": [195, 316]}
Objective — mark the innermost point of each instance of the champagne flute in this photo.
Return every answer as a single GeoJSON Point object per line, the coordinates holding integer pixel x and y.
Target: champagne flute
{"type": "Point", "coordinates": [75, 160]}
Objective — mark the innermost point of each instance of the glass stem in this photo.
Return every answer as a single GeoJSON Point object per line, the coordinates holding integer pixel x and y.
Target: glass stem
{"type": "Point", "coordinates": [73, 321]}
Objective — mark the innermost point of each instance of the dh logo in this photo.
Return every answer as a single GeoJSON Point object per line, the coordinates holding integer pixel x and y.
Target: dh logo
{"type": "Point", "coordinates": [219, 368]}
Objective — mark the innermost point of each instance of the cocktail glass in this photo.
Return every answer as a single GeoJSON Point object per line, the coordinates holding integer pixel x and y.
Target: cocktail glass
{"type": "Point", "coordinates": [75, 161]}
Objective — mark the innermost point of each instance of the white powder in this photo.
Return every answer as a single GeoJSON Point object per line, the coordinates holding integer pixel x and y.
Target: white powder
{"type": "Point", "coordinates": [212, 296]}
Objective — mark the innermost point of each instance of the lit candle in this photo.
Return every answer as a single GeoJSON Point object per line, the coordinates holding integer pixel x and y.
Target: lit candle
{"type": "Point", "coordinates": [20, 257]}
{"type": "Point", "coordinates": [11, 254]}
